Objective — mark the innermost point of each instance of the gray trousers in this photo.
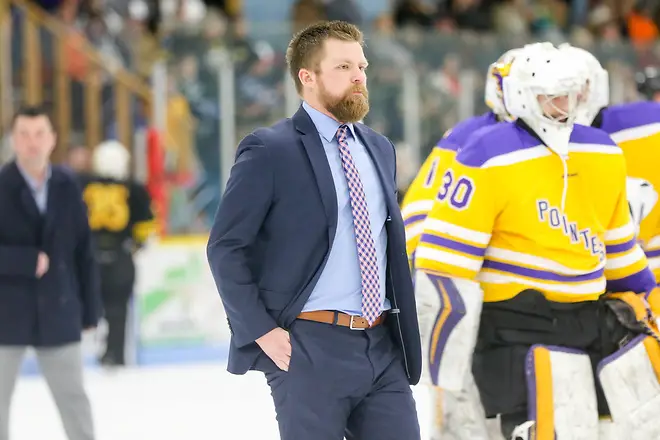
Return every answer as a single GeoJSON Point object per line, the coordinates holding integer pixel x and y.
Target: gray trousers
{"type": "Point", "coordinates": [62, 368]}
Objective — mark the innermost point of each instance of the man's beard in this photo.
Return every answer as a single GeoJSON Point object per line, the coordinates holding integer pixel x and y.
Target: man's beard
{"type": "Point", "coordinates": [352, 107]}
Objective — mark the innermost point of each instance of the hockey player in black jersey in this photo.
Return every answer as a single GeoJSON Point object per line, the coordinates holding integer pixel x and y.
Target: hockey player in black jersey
{"type": "Point", "coordinates": [121, 219]}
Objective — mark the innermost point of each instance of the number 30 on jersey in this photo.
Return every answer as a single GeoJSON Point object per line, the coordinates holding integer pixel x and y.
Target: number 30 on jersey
{"type": "Point", "coordinates": [456, 191]}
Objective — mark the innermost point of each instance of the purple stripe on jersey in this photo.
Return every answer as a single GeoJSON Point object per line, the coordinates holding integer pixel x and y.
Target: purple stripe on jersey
{"type": "Point", "coordinates": [503, 138]}
{"type": "Point", "coordinates": [495, 140]}
{"type": "Point", "coordinates": [621, 247]}
{"type": "Point", "coordinates": [590, 135]}
{"type": "Point", "coordinates": [464, 129]}
{"type": "Point", "coordinates": [630, 115]}
{"type": "Point", "coordinates": [453, 245]}
{"type": "Point", "coordinates": [540, 274]}
{"type": "Point", "coordinates": [452, 310]}
{"type": "Point", "coordinates": [642, 281]}
{"type": "Point", "coordinates": [414, 219]}
{"type": "Point", "coordinates": [653, 254]}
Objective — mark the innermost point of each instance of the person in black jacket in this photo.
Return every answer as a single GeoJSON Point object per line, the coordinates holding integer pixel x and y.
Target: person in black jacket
{"type": "Point", "coordinates": [121, 220]}
{"type": "Point", "coordinates": [48, 278]}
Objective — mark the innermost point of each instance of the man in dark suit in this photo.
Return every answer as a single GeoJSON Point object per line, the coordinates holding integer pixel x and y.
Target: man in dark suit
{"type": "Point", "coordinates": [49, 288]}
{"type": "Point", "coordinates": [308, 254]}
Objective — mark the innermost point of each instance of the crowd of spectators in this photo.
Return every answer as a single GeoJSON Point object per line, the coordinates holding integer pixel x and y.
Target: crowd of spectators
{"type": "Point", "coordinates": [445, 44]}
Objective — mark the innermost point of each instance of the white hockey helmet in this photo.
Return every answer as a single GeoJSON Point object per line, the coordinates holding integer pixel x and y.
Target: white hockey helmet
{"type": "Point", "coordinates": [597, 90]}
{"type": "Point", "coordinates": [493, 95]}
{"type": "Point", "coordinates": [111, 160]}
{"type": "Point", "coordinates": [542, 89]}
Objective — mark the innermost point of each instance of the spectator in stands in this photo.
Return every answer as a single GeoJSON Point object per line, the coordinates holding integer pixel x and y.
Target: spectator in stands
{"type": "Point", "coordinates": [114, 52]}
{"type": "Point", "coordinates": [343, 10]}
{"type": "Point", "coordinates": [441, 92]}
{"type": "Point", "coordinates": [512, 18]}
{"type": "Point", "coordinates": [179, 134]}
{"type": "Point", "coordinates": [467, 14]}
{"type": "Point", "coordinates": [78, 159]}
{"type": "Point", "coordinates": [413, 13]}
{"type": "Point", "coordinates": [306, 12]}
{"type": "Point", "coordinates": [642, 27]}
{"type": "Point", "coordinates": [389, 60]}
{"type": "Point", "coordinates": [202, 96]}
{"type": "Point", "coordinates": [231, 9]}
{"type": "Point", "coordinates": [258, 93]}
{"type": "Point", "coordinates": [48, 278]}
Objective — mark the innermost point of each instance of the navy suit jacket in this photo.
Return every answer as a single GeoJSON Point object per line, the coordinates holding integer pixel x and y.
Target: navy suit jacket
{"type": "Point", "coordinates": [54, 309]}
{"type": "Point", "coordinates": [274, 229]}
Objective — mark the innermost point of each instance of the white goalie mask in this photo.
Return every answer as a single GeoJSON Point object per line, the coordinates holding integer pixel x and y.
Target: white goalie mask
{"type": "Point", "coordinates": [597, 90]}
{"type": "Point", "coordinates": [111, 160]}
{"type": "Point", "coordinates": [542, 89]}
{"type": "Point", "coordinates": [494, 95]}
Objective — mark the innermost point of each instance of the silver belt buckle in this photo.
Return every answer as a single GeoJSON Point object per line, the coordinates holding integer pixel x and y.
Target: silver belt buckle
{"type": "Point", "coordinates": [350, 324]}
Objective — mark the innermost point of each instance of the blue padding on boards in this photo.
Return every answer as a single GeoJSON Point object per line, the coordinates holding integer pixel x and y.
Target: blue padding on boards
{"type": "Point", "coordinates": [182, 355]}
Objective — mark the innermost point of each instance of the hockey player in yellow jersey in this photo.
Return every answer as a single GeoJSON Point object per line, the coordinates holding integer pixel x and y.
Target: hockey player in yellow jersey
{"type": "Point", "coordinates": [635, 127]}
{"type": "Point", "coordinates": [422, 191]}
{"type": "Point", "coordinates": [455, 414]}
{"type": "Point", "coordinates": [529, 231]}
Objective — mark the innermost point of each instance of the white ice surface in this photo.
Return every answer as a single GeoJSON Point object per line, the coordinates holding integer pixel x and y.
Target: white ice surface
{"type": "Point", "coordinates": [162, 403]}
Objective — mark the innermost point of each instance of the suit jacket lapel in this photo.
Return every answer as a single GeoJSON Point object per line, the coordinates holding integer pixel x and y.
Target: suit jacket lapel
{"type": "Point", "coordinates": [319, 161]}
{"type": "Point", "coordinates": [24, 196]}
{"type": "Point", "coordinates": [28, 203]}
{"type": "Point", "coordinates": [52, 207]}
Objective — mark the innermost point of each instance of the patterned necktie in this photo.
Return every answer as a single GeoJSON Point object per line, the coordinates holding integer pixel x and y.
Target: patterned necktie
{"type": "Point", "coordinates": [366, 248]}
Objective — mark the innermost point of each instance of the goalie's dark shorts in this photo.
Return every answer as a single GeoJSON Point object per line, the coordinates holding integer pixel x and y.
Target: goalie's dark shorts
{"type": "Point", "coordinates": [509, 328]}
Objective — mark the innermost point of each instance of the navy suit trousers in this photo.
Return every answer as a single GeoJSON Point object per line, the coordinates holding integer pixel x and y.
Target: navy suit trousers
{"type": "Point", "coordinates": [342, 383]}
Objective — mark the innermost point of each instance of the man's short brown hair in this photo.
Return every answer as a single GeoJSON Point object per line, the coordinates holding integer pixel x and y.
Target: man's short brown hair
{"type": "Point", "coordinates": [31, 111]}
{"type": "Point", "coordinates": [306, 47]}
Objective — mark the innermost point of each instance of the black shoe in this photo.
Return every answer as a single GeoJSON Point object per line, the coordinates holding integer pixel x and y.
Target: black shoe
{"type": "Point", "coordinates": [109, 360]}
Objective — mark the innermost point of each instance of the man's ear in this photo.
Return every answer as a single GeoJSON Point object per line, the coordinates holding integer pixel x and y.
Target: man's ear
{"type": "Point", "coordinates": [306, 77]}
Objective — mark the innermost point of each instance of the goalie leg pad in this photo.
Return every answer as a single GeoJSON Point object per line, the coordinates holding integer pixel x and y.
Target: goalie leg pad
{"type": "Point", "coordinates": [561, 394]}
{"type": "Point", "coordinates": [631, 382]}
{"type": "Point", "coordinates": [449, 310]}
{"type": "Point", "coordinates": [436, 420]}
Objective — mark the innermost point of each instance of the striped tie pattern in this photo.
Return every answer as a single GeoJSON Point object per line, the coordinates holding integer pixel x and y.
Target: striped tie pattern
{"type": "Point", "coordinates": [366, 248]}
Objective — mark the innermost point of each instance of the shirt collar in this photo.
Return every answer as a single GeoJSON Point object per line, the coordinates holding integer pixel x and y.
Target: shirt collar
{"type": "Point", "coordinates": [325, 125]}
{"type": "Point", "coordinates": [32, 183]}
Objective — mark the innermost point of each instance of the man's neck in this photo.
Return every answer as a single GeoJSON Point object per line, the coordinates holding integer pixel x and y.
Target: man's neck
{"type": "Point", "coordinates": [38, 174]}
{"type": "Point", "coordinates": [316, 106]}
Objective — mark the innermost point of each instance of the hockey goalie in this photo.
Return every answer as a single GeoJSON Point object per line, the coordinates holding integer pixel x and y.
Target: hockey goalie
{"type": "Point", "coordinates": [530, 271]}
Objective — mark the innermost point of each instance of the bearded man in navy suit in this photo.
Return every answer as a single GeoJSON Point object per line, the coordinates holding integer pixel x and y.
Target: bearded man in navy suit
{"type": "Point", "coordinates": [308, 253]}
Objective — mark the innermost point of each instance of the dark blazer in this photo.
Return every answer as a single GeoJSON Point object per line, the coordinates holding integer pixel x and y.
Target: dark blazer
{"type": "Point", "coordinates": [54, 309]}
{"type": "Point", "coordinates": [274, 228]}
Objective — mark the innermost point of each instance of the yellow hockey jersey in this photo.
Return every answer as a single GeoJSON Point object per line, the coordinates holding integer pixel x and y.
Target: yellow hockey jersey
{"type": "Point", "coordinates": [422, 191]}
{"type": "Point", "coordinates": [635, 127]}
{"type": "Point", "coordinates": [498, 218]}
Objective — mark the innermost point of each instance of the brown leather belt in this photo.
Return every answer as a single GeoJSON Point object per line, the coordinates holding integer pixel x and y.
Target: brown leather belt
{"type": "Point", "coordinates": [338, 318]}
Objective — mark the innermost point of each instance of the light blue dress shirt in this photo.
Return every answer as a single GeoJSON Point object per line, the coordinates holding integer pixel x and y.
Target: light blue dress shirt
{"type": "Point", "coordinates": [39, 192]}
{"type": "Point", "coordinates": [339, 286]}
